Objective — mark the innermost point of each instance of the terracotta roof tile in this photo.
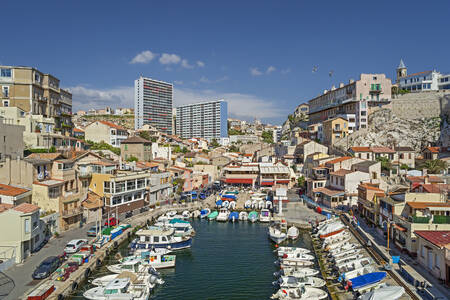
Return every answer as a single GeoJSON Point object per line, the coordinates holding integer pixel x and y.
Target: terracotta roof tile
{"type": "Point", "coordinates": [341, 172]}
{"type": "Point", "coordinates": [26, 208]}
{"type": "Point", "coordinates": [382, 150]}
{"type": "Point", "coordinates": [360, 149]}
{"type": "Point", "coordinates": [136, 140]}
{"type": "Point", "coordinates": [50, 156]}
{"type": "Point", "coordinates": [440, 238]}
{"type": "Point", "coordinates": [9, 190]}
{"type": "Point", "coordinates": [78, 130]}
{"type": "Point", "coordinates": [5, 207]}
{"type": "Point", "coordinates": [338, 160]}
{"type": "Point", "coordinates": [113, 125]}
{"type": "Point", "coordinates": [423, 205]}
{"type": "Point", "coordinates": [371, 187]}
{"type": "Point", "coordinates": [328, 191]}
{"type": "Point", "coordinates": [433, 149]}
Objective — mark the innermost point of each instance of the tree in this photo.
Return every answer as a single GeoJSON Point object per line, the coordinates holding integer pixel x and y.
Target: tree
{"type": "Point", "coordinates": [267, 137]}
{"type": "Point", "coordinates": [132, 158]}
{"type": "Point", "coordinates": [179, 183]}
{"type": "Point", "coordinates": [144, 135]}
{"type": "Point", "coordinates": [206, 151]}
{"type": "Point", "coordinates": [233, 148]}
{"type": "Point", "coordinates": [104, 146]}
{"type": "Point", "coordinates": [184, 150]}
{"type": "Point", "coordinates": [385, 163]}
{"type": "Point", "coordinates": [404, 167]}
{"type": "Point", "coordinates": [214, 143]}
{"type": "Point", "coordinates": [294, 167]}
{"type": "Point", "coordinates": [301, 182]}
{"type": "Point", "coordinates": [176, 149]}
{"type": "Point", "coordinates": [435, 166]}
{"type": "Point", "coordinates": [233, 131]}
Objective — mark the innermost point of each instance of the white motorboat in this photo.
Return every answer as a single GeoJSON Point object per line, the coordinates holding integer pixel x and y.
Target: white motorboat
{"type": "Point", "coordinates": [243, 216]}
{"type": "Point", "coordinates": [287, 250]}
{"type": "Point", "coordinates": [261, 204]}
{"type": "Point", "coordinates": [159, 237]}
{"type": "Point", "coordinates": [195, 214]}
{"type": "Point", "coordinates": [297, 256]}
{"type": "Point", "coordinates": [232, 205]}
{"type": "Point", "coordinates": [337, 244]}
{"type": "Point", "coordinates": [331, 229]}
{"type": "Point", "coordinates": [296, 272]}
{"type": "Point", "coordinates": [353, 265]}
{"type": "Point", "coordinates": [152, 279]}
{"type": "Point", "coordinates": [348, 258]}
{"type": "Point", "coordinates": [248, 204]}
{"type": "Point", "coordinates": [326, 222]}
{"type": "Point", "coordinates": [344, 235]}
{"type": "Point", "coordinates": [121, 289]}
{"type": "Point", "coordinates": [344, 254]}
{"type": "Point", "coordinates": [264, 216]}
{"type": "Point", "coordinates": [130, 264]}
{"type": "Point", "coordinates": [186, 214]}
{"type": "Point", "coordinates": [344, 247]}
{"type": "Point", "coordinates": [383, 293]}
{"type": "Point", "coordinates": [171, 214]}
{"type": "Point", "coordinates": [357, 272]}
{"type": "Point", "coordinates": [225, 204]}
{"type": "Point", "coordinates": [293, 233]}
{"type": "Point", "coordinates": [302, 293]}
{"type": "Point", "coordinates": [276, 234]}
{"type": "Point", "coordinates": [254, 204]}
{"type": "Point", "coordinates": [223, 215]}
{"type": "Point", "coordinates": [294, 263]}
{"type": "Point", "coordinates": [295, 282]}
{"type": "Point", "coordinates": [269, 204]}
{"type": "Point", "coordinates": [155, 259]}
{"type": "Point", "coordinates": [204, 213]}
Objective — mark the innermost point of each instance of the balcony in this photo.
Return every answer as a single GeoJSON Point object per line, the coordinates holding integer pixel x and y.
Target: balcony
{"type": "Point", "coordinates": [419, 220]}
{"type": "Point", "coordinates": [71, 212]}
{"type": "Point", "coordinates": [441, 219]}
{"type": "Point", "coordinates": [84, 174]}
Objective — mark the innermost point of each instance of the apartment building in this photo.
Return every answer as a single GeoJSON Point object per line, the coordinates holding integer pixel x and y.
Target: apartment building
{"type": "Point", "coordinates": [153, 104]}
{"type": "Point", "coordinates": [347, 181]}
{"type": "Point", "coordinates": [206, 120]}
{"type": "Point", "coordinates": [431, 80]}
{"type": "Point", "coordinates": [306, 148]}
{"type": "Point", "coordinates": [104, 131]}
{"type": "Point", "coordinates": [358, 98]}
{"type": "Point", "coordinates": [36, 93]}
{"type": "Point", "coordinates": [137, 147]}
{"type": "Point", "coordinates": [334, 129]}
{"type": "Point", "coordinates": [11, 140]}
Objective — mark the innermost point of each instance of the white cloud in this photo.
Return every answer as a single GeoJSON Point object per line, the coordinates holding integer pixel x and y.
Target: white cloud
{"type": "Point", "coordinates": [143, 58]}
{"type": "Point", "coordinates": [200, 64]}
{"type": "Point", "coordinates": [285, 71]}
{"type": "Point", "coordinates": [255, 72]}
{"type": "Point", "coordinates": [167, 59]}
{"type": "Point", "coordinates": [204, 79]}
{"type": "Point", "coordinates": [86, 98]}
{"type": "Point", "coordinates": [178, 82]}
{"type": "Point", "coordinates": [270, 69]}
{"type": "Point", "coordinates": [185, 64]}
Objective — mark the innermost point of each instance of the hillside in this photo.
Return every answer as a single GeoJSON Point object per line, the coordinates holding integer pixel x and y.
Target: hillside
{"type": "Point", "coordinates": [126, 121]}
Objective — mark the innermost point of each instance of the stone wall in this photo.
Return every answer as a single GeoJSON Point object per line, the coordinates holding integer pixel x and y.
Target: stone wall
{"type": "Point", "coordinates": [421, 105]}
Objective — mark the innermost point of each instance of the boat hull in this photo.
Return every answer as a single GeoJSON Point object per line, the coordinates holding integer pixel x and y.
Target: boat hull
{"type": "Point", "coordinates": [322, 236]}
{"type": "Point", "coordinates": [172, 246]}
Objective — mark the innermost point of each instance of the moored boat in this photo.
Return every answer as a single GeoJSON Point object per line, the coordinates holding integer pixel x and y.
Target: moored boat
{"type": "Point", "coordinates": [223, 215]}
{"type": "Point", "coordinates": [295, 282]}
{"type": "Point", "coordinates": [366, 280]}
{"type": "Point", "coordinates": [253, 216]}
{"type": "Point", "coordinates": [233, 216]}
{"type": "Point", "coordinates": [243, 216]}
{"type": "Point", "coordinates": [213, 215]}
{"type": "Point", "coordinates": [156, 237]}
{"type": "Point", "coordinates": [294, 263]}
{"type": "Point", "coordinates": [296, 272]}
{"type": "Point", "coordinates": [297, 256]}
{"type": "Point", "coordinates": [383, 293]}
{"type": "Point", "coordinates": [282, 250]}
{"type": "Point", "coordinates": [293, 233]}
{"type": "Point", "coordinates": [248, 204]}
{"type": "Point", "coordinates": [302, 293]}
{"type": "Point", "coordinates": [122, 289]}
{"type": "Point", "coordinates": [204, 213]}
{"type": "Point", "coordinates": [151, 279]}
{"type": "Point", "coordinates": [264, 216]}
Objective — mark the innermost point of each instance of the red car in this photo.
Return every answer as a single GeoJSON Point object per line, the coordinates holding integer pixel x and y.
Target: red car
{"type": "Point", "coordinates": [111, 222]}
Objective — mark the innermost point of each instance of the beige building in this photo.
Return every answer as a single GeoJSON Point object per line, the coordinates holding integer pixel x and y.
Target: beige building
{"type": "Point", "coordinates": [334, 129]}
{"type": "Point", "coordinates": [104, 131]}
{"type": "Point", "coordinates": [136, 146]}
{"type": "Point", "coordinates": [11, 140]}
{"type": "Point", "coordinates": [14, 195]}
{"type": "Point", "coordinates": [36, 93]}
{"type": "Point", "coordinates": [22, 229]}
{"type": "Point", "coordinates": [306, 148]}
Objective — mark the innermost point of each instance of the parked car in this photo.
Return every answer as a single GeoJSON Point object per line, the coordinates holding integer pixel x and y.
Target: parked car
{"type": "Point", "coordinates": [46, 268]}
{"type": "Point", "coordinates": [129, 214]}
{"type": "Point", "coordinates": [111, 222]}
{"type": "Point", "coordinates": [94, 230]}
{"type": "Point", "coordinates": [74, 245]}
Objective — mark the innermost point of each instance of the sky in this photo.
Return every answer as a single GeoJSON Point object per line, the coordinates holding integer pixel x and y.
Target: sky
{"type": "Point", "coordinates": [257, 55]}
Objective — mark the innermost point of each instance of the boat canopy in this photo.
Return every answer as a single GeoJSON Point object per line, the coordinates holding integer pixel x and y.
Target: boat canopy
{"type": "Point", "coordinates": [366, 279]}
{"type": "Point", "coordinates": [173, 221]}
{"type": "Point", "coordinates": [219, 203]}
{"type": "Point", "coordinates": [229, 196]}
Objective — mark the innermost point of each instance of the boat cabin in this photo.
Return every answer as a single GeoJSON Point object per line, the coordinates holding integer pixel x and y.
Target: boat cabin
{"type": "Point", "coordinates": [117, 286]}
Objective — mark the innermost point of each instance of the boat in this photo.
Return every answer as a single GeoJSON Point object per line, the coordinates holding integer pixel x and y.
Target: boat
{"type": "Point", "coordinates": [253, 216]}
{"type": "Point", "coordinates": [297, 256]}
{"type": "Point", "coordinates": [331, 229]}
{"type": "Point", "coordinates": [254, 204]}
{"type": "Point", "coordinates": [157, 237]}
{"type": "Point", "coordinates": [121, 288]}
{"type": "Point", "coordinates": [293, 233]}
{"type": "Point", "coordinates": [182, 227]}
{"type": "Point", "coordinates": [232, 205]}
{"type": "Point", "coordinates": [356, 272]}
{"type": "Point", "coordinates": [219, 203]}
{"type": "Point", "coordinates": [278, 230]}
{"type": "Point", "coordinates": [152, 279]}
{"type": "Point", "coordinates": [213, 215]}
{"type": "Point", "coordinates": [295, 282]}
{"type": "Point", "coordinates": [204, 213]}
{"type": "Point", "coordinates": [229, 197]}
{"type": "Point", "coordinates": [336, 245]}
{"type": "Point", "coordinates": [264, 216]}
{"type": "Point", "coordinates": [223, 215]}
{"type": "Point", "coordinates": [248, 204]}
{"type": "Point", "coordinates": [383, 293]}
{"type": "Point", "coordinates": [195, 214]}
{"type": "Point", "coordinates": [344, 247]}
{"type": "Point", "coordinates": [233, 216]}
{"type": "Point", "coordinates": [132, 265]}
{"type": "Point", "coordinates": [343, 254]}
{"type": "Point", "coordinates": [342, 236]}
{"type": "Point", "coordinates": [349, 258]}
{"type": "Point", "coordinates": [366, 280]}
{"type": "Point", "coordinates": [294, 263]}
{"type": "Point", "coordinates": [225, 204]}
{"type": "Point", "coordinates": [234, 192]}
{"type": "Point", "coordinates": [261, 204]}
{"type": "Point", "coordinates": [353, 265]}
{"type": "Point", "coordinates": [243, 216]}
{"type": "Point", "coordinates": [186, 214]}
{"type": "Point", "coordinates": [296, 272]}
{"type": "Point", "coordinates": [302, 293]}
{"type": "Point", "coordinates": [282, 250]}
{"type": "Point", "coordinates": [269, 204]}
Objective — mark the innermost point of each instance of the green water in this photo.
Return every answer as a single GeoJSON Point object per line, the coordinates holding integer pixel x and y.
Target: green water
{"type": "Point", "coordinates": [226, 261]}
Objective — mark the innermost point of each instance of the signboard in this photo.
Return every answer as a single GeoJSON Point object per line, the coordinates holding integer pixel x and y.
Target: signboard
{"type": "Point", "coordinates": [280, 192]}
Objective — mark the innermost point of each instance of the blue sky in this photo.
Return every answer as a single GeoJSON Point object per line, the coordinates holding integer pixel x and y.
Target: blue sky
{"type": "Point", "coordinates": [257, 55]}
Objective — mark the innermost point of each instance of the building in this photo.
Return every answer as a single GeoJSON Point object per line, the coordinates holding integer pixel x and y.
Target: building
{"type": "Point", "coordinates": [137, 147]}
{"type": "Point", "coordinates": [104, 131]}
{"type": "Point", "coordinates": [334, 129]}
{"type": "Point", "coordinates": [14, 195]}
{"type": "Point", "coordinates": [11, 140]}
{"type": "Point", "coordinates": [245, 174]}
{"type": "Point", "coordinates": [22, 229]}
{"type": "Point", "coordinates": [277, 133]}
{"type": "Point", "coordinates": [374, 153]}
{"type": "Point", "coordinates": [275, 175]}
{"type": "Point", "coordinates": [434, 253]}
{"type": "Point", "coordinates": [306, 148]}
{"type": "Point", "coordinates": [244, 139]}
{"type": "Point", "coordinates": [206, 120]}
{"type": "Point", "coordinates": [368, 201]}
{"type": "Point", "coordinates": [36, 93]}
{"type": "Point", "coordinates": [153, 104]}
{"type": "Point", "coordinates": [347, 181]}
{"type": "Point", "coordinates": [421, 81]}
{"type": "Point", "coordinates": [356, 99]}
{"type": "Point", "coordinates": [405, 156]}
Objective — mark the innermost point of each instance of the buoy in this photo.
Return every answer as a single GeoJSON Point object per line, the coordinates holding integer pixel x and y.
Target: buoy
{"type": "Point", "coordinates": [276, 245]}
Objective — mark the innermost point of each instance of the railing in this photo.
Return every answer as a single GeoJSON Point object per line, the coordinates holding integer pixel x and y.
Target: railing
{"type": "Point", "coordinates": [420, 220]}
{"type": "Point", "coordinates": [441, 219]}
{"type": "Point", "coordinates": [72, 212]}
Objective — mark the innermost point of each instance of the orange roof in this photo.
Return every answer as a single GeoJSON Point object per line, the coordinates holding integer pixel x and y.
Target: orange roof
{"type": "Point", "coordinates": [147, 164]}
{"type": "Point", "coordinates": [338, 160]}
{"type": "Point", "coordinates": [341, 172]}
{"type": "Point", "coordinates": [111, 124]}
{"type": "Point", "coordinates": [248, 155]}
{"type": "Point", "coordinates": [361, 149]}
{"type": "Point", "coordinates": [9, 190]}
{"type": "Point", "coordinates": [26, 208]}
{"type": "Point", "coordinates": [5, 207]}
{"type": "Point", "coordinates": [328, 191]}
{"type": "Point", "coordinates": [382, 150]}
{"type": "Point", "coordinates": [50, 156]}
{"type": "Point", "coordinates": [104, 163]}
{"type": "Point", "coordinates": [433, 149]}
{"type": "Point", "coordinates": [423, 205]}
{"type": "Point", "coordinates": [371, 187]}
{"type": "Point", "coordinates": [431, 178]}
{"type": "Point", "coordinates": [78, 130]}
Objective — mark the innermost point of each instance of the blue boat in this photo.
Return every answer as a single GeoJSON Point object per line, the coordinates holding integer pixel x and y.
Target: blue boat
{"type": "Point", "coordinates": [233, 216]}
{"type": "Point", "coordinates": [229, 196]}
{"type": "Point", "coordinates": [204, 213]}
{"type": "Point", "coordinates": [219, 203]}
{"type": "Point", "coordinates": [194, 195]}
{"type": "Point", "coordinates": [366, 279]}
{"type": "Point", "coordinates": [202, 196]}
{"type": "Point", "coordinates": [156, 237]}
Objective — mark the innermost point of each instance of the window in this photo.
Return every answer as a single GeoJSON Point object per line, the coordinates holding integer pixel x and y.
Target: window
{"type": "Point", "coordinates": [363, 113]}
{"type": "Point", "coordinates": [437, 260]}
{"type": "Point", "coordinates": [5, 73]}
{"type": "Point", "coordinates": [37, 77]}
{"type": "Point", "coordinates": [125, 147]}
{"type": "Point", "coordinates": [54, 192]}
{"type": "Point", "coordinates": [27, 226]}
{"type": "Point", "coordinates": [84, 183]}
{"type": "Point", "coordinates": [6, 103]}
{"type": "Point", "coordinates": [116, 200]}
{"type": "Point", "coordinates": [106, 187]}
{"type": "Point", "coordinates": [128, 198]}
{"type": "Point", "coordinates": [5, 90]}
{"type": "Point", "coordinates": [342, 182]}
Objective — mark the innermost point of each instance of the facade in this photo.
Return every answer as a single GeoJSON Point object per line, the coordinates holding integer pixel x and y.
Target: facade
{"type": "Point", "coordinates": [357, 98]}
{"type": "Point", "coordinates": [206, 120]}
{"type": "Point", "coordinates": [11, 141]}
{"type": "Point", "coordinates": [103, 131]}
{"type": "Point", "coordinates": [348, 181]}
{"type": "Point", "coordinates": [25, 231]}
{"type": "Point", "coordinates": [405, 156]}
{"type": "Point", "coordinates": [306, 148]}
{"type": "Point", "coordinates": [421, 81]}
{"type": "Point", "coordinates": [334, 129]}
{"type": "Point", "coordinates": [36, 93]}
{"type": "Point", "coordinates": [153, 104]}
{"type": "Point", "coordinates": [136, 147]}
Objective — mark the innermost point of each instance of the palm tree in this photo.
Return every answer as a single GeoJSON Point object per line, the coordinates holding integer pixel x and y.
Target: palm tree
{"type": "Point", "coordinates": [435, 166]}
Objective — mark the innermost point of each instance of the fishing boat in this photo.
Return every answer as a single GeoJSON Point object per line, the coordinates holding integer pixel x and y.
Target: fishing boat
{"type": "Point", "coordinates": [302, 293]}
{"type": "Point", "coordinates": [353, 265]}
{"type": "Point", "coordinates": [204, 213]}
{"type": "Point", "coordinates": [156, 237]}
{"type": "Point", "coordinates": [297, 256]}
{"type": "Point", "coordinates": [344, 247]}
{"type": "Point", "coordinates": [344, 235]}
{"type": "Point", "coordinates": [223, 215]}
{"type": "Point", "coordinates": [293, 233]}
{"type": "Point", "coordinates": [264, 216]}
{"type": "Point", "coordinates": [294, 263]}
{"type": "Point", "coordinates": [366, 280]}
{"type": "Point", "coordinates": [295, 282]}
{"type": "Point", "coordinates": [152, 278]}
{"type": "Point", "coordinates": [121, 288]}
{"type": "Point", "coordinates": [343, 254]}
{"type": "Point", "coordinates": [233, 216]}
{"type": "Point", "coordinates": [243, 216]}
{"type": "Point", "coordinates": [278, 230]}
{"type": "Point", "coordinates": [288, 250]}
{"type": "Point", "coordinates": [383, 293]}
{"type": "Point", "coordinates": [253, 216]}
{"type": "Point", "coordinates": [296, 272]}
{"type": "Point", "coordinates": [336, 245]}
{"type": "Point", "coordinates": [132, 265]}
{"type": "Point", "coordinates": [349, 258]}
{"type": "Point", "coordinates": [213, 215]}
{"type": "Point", "coordinates": [248, 204]}
{"type": "Point", "coordinates": [232, 205]}
{"type": "Point", "coordinates": [182, 228]}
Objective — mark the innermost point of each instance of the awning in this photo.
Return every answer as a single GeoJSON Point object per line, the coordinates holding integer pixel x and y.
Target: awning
{"type": "Point", "coordinates": [239, 180]}
{"type": "Point", "coordinates": [267, 183]}
{"type": "Point", "coordinates": [399, 227]}
{"type": "Point", "coordinates": [282, 181]}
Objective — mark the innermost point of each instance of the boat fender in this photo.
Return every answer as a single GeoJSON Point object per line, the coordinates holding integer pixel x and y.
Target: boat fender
{"type": "Point", "coordinates": [74, 286]}
{"type": "Point", "coordinates": [115, 244]}
{"type": "Point", "coordinates": [169, 247]}
{"type": "Point", "coordinates": [87, 273]}
{"type": "Point", "coordinates": [60, 297]}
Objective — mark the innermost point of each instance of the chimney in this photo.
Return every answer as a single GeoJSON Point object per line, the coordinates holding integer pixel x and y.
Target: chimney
{"type": "Point", "coordinates": [351, 81]}
{"type": "Point", "coordinates": [341, 85]}
{"type": "Point", "coordinates": [426, 179]}
{"type": "Point", "coordinates": [333, 87]}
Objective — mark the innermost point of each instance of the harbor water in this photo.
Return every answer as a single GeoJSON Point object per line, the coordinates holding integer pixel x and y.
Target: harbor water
{"type": "Point", "coordinates": [226, 261]}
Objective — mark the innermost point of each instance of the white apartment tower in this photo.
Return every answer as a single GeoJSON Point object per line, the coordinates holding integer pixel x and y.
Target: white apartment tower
{"type": "Point", "coordinates": [206, 120]}
{"type": "Point", "coordinates": [153, 104]}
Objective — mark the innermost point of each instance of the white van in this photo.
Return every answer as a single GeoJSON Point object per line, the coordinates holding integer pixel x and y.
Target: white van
{"type": "Point", "coordinates": [74, 245]}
